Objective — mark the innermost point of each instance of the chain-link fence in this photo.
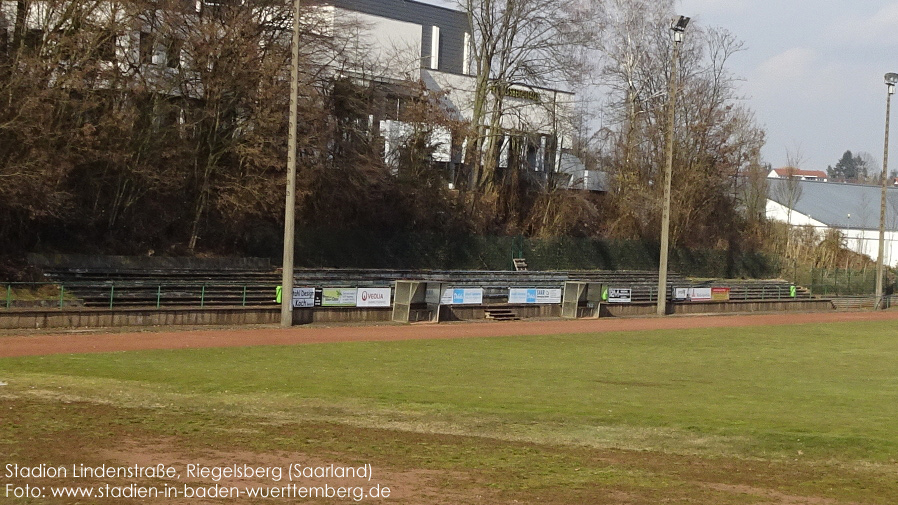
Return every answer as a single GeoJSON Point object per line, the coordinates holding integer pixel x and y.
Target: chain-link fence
{"type": "Point", "coordinates": [326, 248]}
{"type": "Point", "coordinates": [840, 281]}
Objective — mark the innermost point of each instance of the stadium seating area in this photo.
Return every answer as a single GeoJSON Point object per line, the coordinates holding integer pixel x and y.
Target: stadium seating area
{"type": "Point", "coordinates": [123, 287]}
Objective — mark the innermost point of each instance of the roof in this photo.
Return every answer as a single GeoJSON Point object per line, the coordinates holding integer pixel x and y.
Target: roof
{"type": "Point", "coordinates": [797, 172]}
{"type": "Point", "coordinates": [831, 203]}
{"type": "Point", "coordinates": [452, 23]}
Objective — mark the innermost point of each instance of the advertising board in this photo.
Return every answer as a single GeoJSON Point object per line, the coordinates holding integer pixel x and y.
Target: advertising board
{"type": "Point", "coordinates": [620, 295]}
{"type": "Point", "coordinates": [303, 298]}
{"type": "Point", "coordinates": [534, 295]}
{"type": "Point", "coordinates": [372, 297]}
{"type": "Point", "coordinates": [694, 294]}
{"type": "Point", "coordinates": [338, 297]}
{"type": "Point", "coordinates": [462, 296]}
{"type": "Point", "coordinates": [699, 294]}
{"type": "Point", "coordinates": [720, 294]}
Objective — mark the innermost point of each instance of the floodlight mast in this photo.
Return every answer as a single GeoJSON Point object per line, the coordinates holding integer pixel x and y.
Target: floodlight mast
{"type": "Point", "coordinates": [891, 79]}
{"type": "Point", "coordinates": [290, 197]}
{"type": "Point", "coordinates": [677, 28]}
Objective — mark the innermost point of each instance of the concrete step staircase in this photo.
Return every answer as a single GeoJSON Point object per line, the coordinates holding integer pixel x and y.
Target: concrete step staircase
{"type": "Point", "coordinates": [501, 315]}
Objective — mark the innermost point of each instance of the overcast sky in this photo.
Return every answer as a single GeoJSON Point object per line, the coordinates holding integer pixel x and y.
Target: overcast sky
{"type": "Point", "coordinates": [813, 71]}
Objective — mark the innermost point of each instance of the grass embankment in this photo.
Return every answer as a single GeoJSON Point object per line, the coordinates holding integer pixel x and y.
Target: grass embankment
{"type": "Point", "coordinates": [748, 415]}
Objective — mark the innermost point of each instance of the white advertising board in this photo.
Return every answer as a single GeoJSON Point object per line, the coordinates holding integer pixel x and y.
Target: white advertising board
{"type": "Point", "coordinates": [373, 297]}
{"type": "Point", "coordinates": [620, 295]}
{"type": "Point", "coordinates": [534, 295]}
{"type": "Point", "coordinates": [338, 297]}
{"type": "Point", "coordinates": [692, 294]}
{"type": "Point", "coordinates": [303, 298]}
{"type": "Point", "coordinates": [462, 296]}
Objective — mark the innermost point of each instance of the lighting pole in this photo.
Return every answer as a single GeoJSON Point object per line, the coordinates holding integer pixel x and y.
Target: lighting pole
{"type": "Point", "coordinates": [290, 204]}
{"type": "Point", "coordinates": [891, 79]}
{"type": "Point", "coordinates": [848, 234]}
{"type": "Point", "coordinates": [677, 29]}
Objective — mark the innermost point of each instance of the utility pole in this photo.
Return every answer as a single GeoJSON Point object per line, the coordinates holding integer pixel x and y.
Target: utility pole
{"type": "Point", "coordinates": [290, 204]}
{"type": "Point", "coordinates": [677, 29]}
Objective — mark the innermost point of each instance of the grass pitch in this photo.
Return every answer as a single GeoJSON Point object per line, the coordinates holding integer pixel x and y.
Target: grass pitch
{"type": "Point", "coordinates": [789, 414]}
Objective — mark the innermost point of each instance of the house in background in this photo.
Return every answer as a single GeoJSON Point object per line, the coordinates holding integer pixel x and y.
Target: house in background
{"type": "Point", "coordinates": [852, 209]}
{"type": "Point", "coordinates": [802, 175]}
{"type": "Point", "coordinates": [413, 41]}
{"type": "Point", "coordinates": [406, 46]}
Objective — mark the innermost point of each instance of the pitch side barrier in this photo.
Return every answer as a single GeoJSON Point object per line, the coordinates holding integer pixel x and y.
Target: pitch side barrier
{"type": "Point", "coordinates": [345, 295]}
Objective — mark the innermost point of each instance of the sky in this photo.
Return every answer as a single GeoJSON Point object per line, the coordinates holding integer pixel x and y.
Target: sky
{"type": "Point", "coordinates": [812, 71]}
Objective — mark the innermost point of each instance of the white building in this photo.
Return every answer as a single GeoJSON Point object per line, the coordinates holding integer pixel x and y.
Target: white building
{"type": "Point", "coordinates": [404, 42]}
{"type": "Point", "coordinates": [410, 40]}
{"type": "Point", "coordinates": [853, 209]}
{"type": "Point", "coordinates": [797, 173]}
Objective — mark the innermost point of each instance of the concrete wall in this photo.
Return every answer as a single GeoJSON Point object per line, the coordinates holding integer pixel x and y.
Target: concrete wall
{"type": "Point", "coordinates": [732, 306]}
{"type": "Point", "coordinates": [453, 25]}
{"type": "Point", "coordinates": [474, 312]}
{"type": "Point", "coordinates": [342, 315]}
{"type": "Point", "coordinates": [98, 318]}
{"type": "Point", "coordinates": [392, 48]}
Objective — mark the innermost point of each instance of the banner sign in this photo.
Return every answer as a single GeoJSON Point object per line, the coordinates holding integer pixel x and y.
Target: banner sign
{"type": "Point", "coordinates": [303, 298]}
{"type": "Point", "coordinates": [620, 295]}
{"type": "Point", "coordinates": [702, 294]}
{"type": "Point", "coordinates": [534, 295]}
{"type": "Point", "coordinates": [338, 297]}
{"type": "Point", "coordinates": [720, 294]}
{"type": "Point", "coordinates": [462, 296]}
{"type": "Point", "coordinates": [373, 297]}
{"type": "Point", "coordinates": [696, 294]}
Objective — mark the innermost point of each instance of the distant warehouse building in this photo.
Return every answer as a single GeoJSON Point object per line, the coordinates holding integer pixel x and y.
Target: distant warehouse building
{"type": "Point", "coordinates": [853, 209]}
{"type": "Point", "coordinates": [797, 173]}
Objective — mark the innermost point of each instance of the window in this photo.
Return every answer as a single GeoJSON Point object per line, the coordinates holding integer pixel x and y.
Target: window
{"type": "Point", "coordinates": [147, 47]}
{"type": "Point", "coordinates": [173, 53]}
{"type": "Point", "coordinates": [466, 56]}
{"type": "Point", "coordinates": [435, 47]}
{"type": "Point", "coordinates": [106, 46]}
{"type": "Point", "coordinates": [33, 39]}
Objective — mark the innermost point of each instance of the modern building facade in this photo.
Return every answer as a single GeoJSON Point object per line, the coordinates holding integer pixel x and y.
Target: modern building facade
{"type": "Point", "coordinates": [436, 41]}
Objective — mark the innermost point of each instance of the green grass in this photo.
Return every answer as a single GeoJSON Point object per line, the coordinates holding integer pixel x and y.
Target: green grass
{"type": "Point", "coordinates": [825, 393]}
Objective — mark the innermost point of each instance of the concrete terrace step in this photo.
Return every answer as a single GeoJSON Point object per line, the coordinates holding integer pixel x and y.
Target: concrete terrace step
{"type": "Point", "coordinates": [501, 314]}
{"type": "Point", "coordinates": [133, 287]}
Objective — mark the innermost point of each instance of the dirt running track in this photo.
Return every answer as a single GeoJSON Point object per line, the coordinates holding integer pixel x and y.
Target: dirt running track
{"type": "Point", "coordinates": [74, 343]}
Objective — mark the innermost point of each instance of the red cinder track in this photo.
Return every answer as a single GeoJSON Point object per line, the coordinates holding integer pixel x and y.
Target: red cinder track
{"type": "Point", "coordinates": [80, 342]}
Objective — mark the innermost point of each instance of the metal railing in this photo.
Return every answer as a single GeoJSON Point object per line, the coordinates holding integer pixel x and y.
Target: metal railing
{"type": "Point", "coordinates": [112, 294]}
{"type": "Point", "coordinates": [129, 294]}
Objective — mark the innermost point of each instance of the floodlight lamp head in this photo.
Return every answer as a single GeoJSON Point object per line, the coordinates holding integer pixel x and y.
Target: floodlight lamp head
{"type": "Point", "coordinates": [680, 24]}
{"type": "Point", "coordinates": [678, 27]}
{"type": "Point", "coordinates": [891, 79]}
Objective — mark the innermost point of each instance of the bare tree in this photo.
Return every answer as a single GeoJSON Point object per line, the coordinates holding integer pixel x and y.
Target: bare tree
{"type": "Point", "coordinates": [529, 42]}
{"type": "Point", "coordinates": [716, 138]}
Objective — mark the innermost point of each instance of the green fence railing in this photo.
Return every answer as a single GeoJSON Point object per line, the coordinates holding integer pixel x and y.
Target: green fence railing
{"type": "Point", "coordinates": [841, 281]}
{"type": "Point", "coordinates": [111, 295]}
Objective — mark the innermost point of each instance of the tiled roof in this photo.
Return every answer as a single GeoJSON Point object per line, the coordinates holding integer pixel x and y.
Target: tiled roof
{"type": "Point", "coordinates": [797, 172]}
